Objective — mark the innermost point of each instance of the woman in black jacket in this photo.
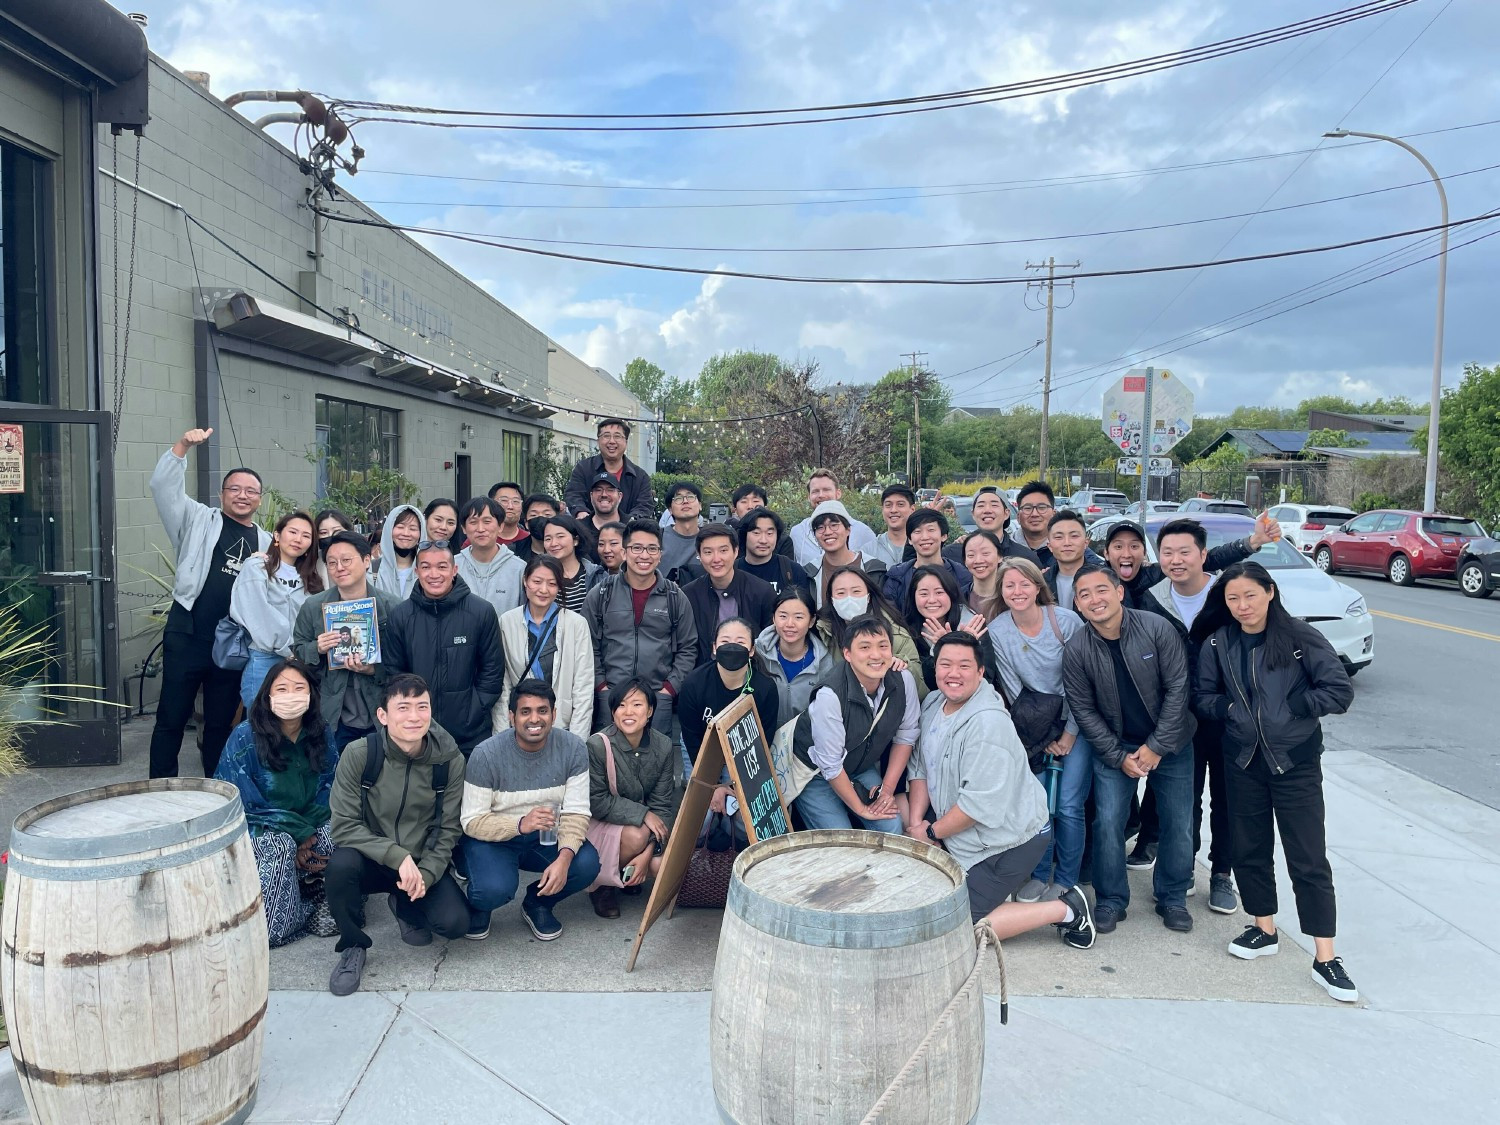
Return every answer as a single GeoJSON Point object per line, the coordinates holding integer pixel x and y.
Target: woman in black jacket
{"type": "Point", "coordinates": [1269, 678]}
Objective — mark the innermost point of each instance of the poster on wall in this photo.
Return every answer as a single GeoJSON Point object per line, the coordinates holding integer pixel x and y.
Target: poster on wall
{"type": "Point", "coordinates": [12, 458]}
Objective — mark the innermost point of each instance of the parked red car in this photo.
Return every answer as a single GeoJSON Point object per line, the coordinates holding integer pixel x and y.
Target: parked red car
{"type": "Point", "coordinates": [1404, 546]}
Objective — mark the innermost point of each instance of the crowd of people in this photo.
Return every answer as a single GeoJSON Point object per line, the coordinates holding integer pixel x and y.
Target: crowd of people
{"type": "Point", "coordinates": [546, 670]}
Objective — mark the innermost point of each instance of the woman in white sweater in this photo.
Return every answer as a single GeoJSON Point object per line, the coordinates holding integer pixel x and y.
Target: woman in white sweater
{"type": "Point", "coordinates": [544, 641]}
{"type": "Point", "coordinates": [268, 592]}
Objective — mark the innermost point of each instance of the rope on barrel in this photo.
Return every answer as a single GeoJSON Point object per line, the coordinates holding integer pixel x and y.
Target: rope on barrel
{"type": "Point", "coordinates": [984, 936]}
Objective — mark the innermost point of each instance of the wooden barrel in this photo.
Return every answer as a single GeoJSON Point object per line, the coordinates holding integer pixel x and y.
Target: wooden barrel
{"type": "Point", "coordinates": [839, 949]}
{"type": "Point", "coordinates": [133, 955]}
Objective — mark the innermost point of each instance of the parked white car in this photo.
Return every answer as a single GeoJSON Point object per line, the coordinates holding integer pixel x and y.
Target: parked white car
{"type": "Point", "coordinates": [1304, 524]}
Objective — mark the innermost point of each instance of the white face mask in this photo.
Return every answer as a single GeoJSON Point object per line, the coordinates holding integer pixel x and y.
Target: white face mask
{"type": "Point", "coordinates": [289, 706]}
{"type": "Point", "coordinates": [850, 608]}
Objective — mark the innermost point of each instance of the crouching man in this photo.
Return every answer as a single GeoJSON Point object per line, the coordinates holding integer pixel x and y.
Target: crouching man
{"type": "Point", "coordinates": [970, 776]}
{"type": "Point", "coordinates": [395, 804]}
{"type": "Point", "coordinates": [526, 806]}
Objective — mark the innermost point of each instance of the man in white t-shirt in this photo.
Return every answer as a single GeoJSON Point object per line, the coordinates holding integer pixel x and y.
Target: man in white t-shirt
{"type": "Point", "coordinates": [1182, 551]}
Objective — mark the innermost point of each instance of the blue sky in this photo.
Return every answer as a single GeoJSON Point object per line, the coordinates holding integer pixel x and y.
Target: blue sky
{"type": "Point", "coordinates": [660, 56]}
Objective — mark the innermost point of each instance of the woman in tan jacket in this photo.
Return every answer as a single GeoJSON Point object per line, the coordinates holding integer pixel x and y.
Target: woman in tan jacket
{"type": "Point", "coordinates": [543, 640]}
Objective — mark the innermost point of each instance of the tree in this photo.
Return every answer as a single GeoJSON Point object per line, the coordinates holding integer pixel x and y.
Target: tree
{"type": "Point", "coordinates": [1469, 442]}
{"type": "Point", "coordinates": [1332, 439]}
{"type": "Point", "coordinates": [891, 398]}
{"type": "Point", "coordinates": [659, 392]}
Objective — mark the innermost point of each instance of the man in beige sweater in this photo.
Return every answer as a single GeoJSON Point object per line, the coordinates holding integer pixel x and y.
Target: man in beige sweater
{"type": "Point", "coordinates": [526, 806]}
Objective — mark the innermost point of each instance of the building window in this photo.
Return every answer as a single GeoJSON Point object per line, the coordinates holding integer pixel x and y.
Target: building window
{"type": "Point", "coordinates": [516, 455]}
{"type": "Point", "coordinates": [23, 278]}
{"type": "Point", "coordinates": [353, 436]}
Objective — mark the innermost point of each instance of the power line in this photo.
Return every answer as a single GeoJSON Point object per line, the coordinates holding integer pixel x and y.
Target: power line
{"type": "Point", "coordinates": [990, 242]}
{"type": "Point", "coordinates": [661, 267]}
{"type": "Point", "coordinates": [980, 366]}
{"type": "Point", "coordinates": [890, 107]}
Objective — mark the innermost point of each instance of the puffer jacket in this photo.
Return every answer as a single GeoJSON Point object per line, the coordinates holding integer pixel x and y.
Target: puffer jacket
{"type": "Point", "coordinates": [401, 803]}
{"type": "Point", "coordinates": [1280, 708]}
{"type": "Point", "coordinates": [1157, 662]}
{"type": "Point", "coordinates": [453, 643]}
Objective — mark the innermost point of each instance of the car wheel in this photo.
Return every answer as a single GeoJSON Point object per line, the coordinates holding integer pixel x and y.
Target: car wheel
{"type": "Point", "coordinates": [1324, 560]}
{"type": "Point", "coordinates": [1472, 582]}
{"type": "Point", "coordinates": [1398, 570]}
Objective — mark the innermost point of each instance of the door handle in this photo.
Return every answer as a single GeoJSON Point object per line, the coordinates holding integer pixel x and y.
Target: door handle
{"type": "Point", "coordinates": [68, 578]}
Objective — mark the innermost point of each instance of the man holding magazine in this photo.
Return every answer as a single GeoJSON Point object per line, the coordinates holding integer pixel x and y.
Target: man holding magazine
{"type": "Point", "coordinates": [350, 684]}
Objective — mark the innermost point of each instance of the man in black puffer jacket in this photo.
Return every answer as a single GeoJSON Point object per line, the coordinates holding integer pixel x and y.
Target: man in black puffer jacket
{"type": "Point", "coordinates": [451, 638]}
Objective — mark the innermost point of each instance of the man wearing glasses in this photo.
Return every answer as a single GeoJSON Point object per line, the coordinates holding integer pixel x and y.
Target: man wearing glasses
{"type": "Point", "coordinates": [1036, 503]}
{"type": "Point", "coordinates": [642, 626]}
{"type": "Point", "coordinates": [211, 543]}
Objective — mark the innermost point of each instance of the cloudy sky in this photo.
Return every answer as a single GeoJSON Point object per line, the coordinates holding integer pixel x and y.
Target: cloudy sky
{"type": "Point", "coordinates": [1037, 174]}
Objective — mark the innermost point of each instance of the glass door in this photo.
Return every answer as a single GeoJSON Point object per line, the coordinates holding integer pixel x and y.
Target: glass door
{"type": "Point", "coordinates": [57, 572]}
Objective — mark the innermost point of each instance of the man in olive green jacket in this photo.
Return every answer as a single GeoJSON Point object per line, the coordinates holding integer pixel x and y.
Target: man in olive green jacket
{"type": "Point", "coordinates": [398, 835]}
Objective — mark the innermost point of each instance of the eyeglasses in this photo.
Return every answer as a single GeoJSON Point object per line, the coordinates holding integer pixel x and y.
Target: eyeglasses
{"type": "Point", "coordinates": [241, 490]}
{"type": "Point", "coordinates": [1031, 509]}
{"type": "Point", "coordinates": [430, 544]}
{"type": "Point", "coordinates": [638, 549]}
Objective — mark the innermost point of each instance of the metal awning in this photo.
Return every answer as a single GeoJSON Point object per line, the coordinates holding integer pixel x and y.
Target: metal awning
{"type": "Point", "coordinates": [416, 372]}
{"type": "Point", "coordinates": [253, 319]}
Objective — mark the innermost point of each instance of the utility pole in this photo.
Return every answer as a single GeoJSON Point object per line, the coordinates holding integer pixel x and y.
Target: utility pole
{"type": "Point", "coordinates": [1050, 265]}
{"type": "Point", "coordinates": [914, 439]}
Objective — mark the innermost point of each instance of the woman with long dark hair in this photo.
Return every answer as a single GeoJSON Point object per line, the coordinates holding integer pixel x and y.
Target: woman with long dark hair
{"type": "Point", "coordinates": [1270, 678]}
{"type": "Point", "coordinates": [852, 593]}
{"type": "Point", "coordinates": [441, 520]}
{"type": "Point", "coordinates": [983, 553]}
{"type": "Point", "coordinates": [544, 641]}
{"type": "Point", "coordinates": [329, 522]}
{"type": "Point", "coordinates": [934, 607]}
{"type": "Point", "coordinates": [282, 758]}
{"type": "Point", "coordinates": [268, 592]}
{"type": "Point", "coordinates": [564, 539]}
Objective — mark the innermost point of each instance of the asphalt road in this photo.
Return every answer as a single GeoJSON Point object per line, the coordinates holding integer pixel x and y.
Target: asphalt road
{"type": "Point", "coordinates": [1428, 701]}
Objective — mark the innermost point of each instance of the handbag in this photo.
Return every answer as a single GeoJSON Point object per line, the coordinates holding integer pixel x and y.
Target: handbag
{"type": "Point", "coordinates": [231, 648]}
{"type": "Point", "coordinates": [706, 881]}
{"type": "Point", "coordinates": [1038, 715]}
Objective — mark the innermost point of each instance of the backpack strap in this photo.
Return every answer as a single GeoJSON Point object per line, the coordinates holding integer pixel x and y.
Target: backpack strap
{"type": "Point", "coordinates": [439, 787]}
{"type": "Point", "coordinates": [374, 762]}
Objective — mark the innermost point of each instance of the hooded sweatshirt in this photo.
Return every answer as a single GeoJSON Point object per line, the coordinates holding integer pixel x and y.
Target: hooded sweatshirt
{"type": "Point", "coordinates": [266, 605]}
{"type": "Point", "coordinates": [192, 527]}
{"type": "Point", "coordinates": [796, 694]}
{"type": "Point", "coordinates": [975, 761]}
{"type": "Point", "coordinates": [388, 576]}
{"type": "Point", "coordinates": [497, 581]}
{"type": "Point", "coordinates": [401, 803]}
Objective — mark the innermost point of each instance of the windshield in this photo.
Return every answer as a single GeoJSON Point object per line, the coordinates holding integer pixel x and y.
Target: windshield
{"type": "Point", "coordinates": [1228, 506]}
{"type": "Point", "coordinates": [1281, 555]}
{"type": "Point", "coordinates": [1441, 525]}
{"type": "Point", "coordinates": [1333, 517]}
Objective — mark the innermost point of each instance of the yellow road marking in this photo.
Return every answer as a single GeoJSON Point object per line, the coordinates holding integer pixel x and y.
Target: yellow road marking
{"type": "Point", "coordinates": [1435, 625]}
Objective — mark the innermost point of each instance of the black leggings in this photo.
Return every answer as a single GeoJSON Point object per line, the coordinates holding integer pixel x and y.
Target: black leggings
{"type": "Point", "coordinates": [1294, 801]}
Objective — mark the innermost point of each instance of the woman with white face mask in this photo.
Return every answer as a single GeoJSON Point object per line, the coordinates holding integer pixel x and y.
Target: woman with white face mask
{"type": "Point", "coordinates": [282, 760]}
{"type": "Point", "coordinates": [852, 593]}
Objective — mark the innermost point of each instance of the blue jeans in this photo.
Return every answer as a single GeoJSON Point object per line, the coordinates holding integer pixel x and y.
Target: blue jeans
{"type": "Point", "coordinates": [1172, 782]}
{"type": "Point", "coordinates": [345, 735]}
{"type": "Point", "coordinates": [494, 867]}
{"type": "Point", "coordinates": [1061, 858]}
{"type": "Point", "coordinates": [821, 807]}
{"type": "Point", "coordinates": [254, 674]}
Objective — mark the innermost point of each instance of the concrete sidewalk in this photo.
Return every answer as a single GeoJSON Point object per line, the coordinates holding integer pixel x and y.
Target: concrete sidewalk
{"type": "Point", "coordinates": [1147, 1024]}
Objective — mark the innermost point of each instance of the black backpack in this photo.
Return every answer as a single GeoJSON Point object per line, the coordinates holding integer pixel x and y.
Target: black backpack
{"type": "Point", "coordinates": [374, 763]}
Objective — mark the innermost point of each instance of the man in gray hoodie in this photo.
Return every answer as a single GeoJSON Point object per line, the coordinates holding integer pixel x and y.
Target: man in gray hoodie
{"type": "Point", "coordinates": [489, 568]}
{"type": "Point", "coordinates": [211, 544]}
{"type": "Point", "coordinates": [970, 776]}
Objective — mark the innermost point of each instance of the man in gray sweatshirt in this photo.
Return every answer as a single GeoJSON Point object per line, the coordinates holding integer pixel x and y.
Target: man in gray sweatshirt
{"type": "Point", "coordinates": [490, 568]}
{"type": "Point", "coordinates": [211, 544]}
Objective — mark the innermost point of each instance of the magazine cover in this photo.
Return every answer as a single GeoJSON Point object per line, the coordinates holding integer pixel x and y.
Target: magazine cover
{"type": "Point", "coordinates": [359, 631]}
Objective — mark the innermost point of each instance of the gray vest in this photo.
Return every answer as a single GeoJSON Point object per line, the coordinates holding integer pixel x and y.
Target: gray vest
{"type": "Point", "coordinates": [865, 739]}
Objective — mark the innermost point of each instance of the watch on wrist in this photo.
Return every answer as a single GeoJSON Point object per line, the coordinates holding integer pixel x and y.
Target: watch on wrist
{"type": "Point", "coordinates": [933, 836]}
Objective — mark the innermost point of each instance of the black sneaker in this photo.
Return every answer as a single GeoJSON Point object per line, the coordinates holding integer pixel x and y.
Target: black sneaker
{"type": "Point", "coordinates": [412, 935]}
{"type": "Point", "coordinates": [1253, 943]}
{"type": "Point", "coordinates": [1331, 975]}
{"type": "Point", "coordinates": [540, 920]}
{"type": "Point", "coordinates": [1175, 918]}
{"type": "Point", "coordinates": [479, 925]}
{"type": "Point", "coordinates": [347, 973]}
{"type": "Point", "coordinates": [1142, 856]}
{"type": "Point", "coordinates": [1106, 917]}
{"type": "Point", "coordinates": [1080, 932]}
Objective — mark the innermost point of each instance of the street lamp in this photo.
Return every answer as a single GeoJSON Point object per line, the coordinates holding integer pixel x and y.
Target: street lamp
{"type": "Point", "coordinates": [1429, 495]}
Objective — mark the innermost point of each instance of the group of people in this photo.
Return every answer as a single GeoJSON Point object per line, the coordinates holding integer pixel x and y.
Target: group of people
{"type": "Point", "coordinates": [547, 671]}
